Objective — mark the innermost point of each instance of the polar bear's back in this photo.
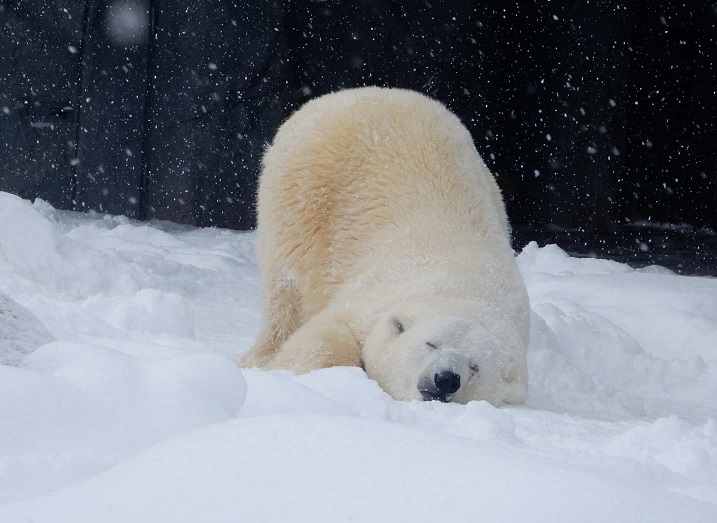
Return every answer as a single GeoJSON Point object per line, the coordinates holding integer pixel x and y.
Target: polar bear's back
{"type": "Point", "coordinates": [371, 173]}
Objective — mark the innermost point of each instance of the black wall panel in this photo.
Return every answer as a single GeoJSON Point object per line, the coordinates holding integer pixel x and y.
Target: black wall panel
{"type": "Point", "coordinates": [589, 113]}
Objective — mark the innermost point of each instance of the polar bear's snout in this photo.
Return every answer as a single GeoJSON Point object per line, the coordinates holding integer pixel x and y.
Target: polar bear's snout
{"type": "Point", "coordinates": [442, 380]}
{"type": "Point", "coordinates": [445, 385]}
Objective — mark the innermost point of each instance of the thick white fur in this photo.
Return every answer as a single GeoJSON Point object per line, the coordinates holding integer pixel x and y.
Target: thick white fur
{"type": "Point", "coordinates": [375, 209]}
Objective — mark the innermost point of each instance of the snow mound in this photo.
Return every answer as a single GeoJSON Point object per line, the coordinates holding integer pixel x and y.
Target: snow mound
{"type": "Point", "coordinates": [308, 468]}
{"type": "Point", "coordinates": [672, 443]}
{"type": "Point", "coordinates": [146, 311]}
{"type": "Point", "coordinates": [597, 325]}
{"type": "Point", "coordinates": [552, 260]}
{"type": "Point", "coordinates": [73, 409]}
{"type": "Point", "coordinates": [20, 331]}
{"type": "Point", "coordinates": [94, 278]}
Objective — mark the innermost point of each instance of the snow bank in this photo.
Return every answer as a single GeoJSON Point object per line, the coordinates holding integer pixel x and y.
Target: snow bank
{"type": "Point", "coordinates": [611, 341]}
{"type": "Point", "coordinates": [138, 413]}
{"type": "Point", "coordinates": [73, 410]}
{"type": "Point", "coordinates": [306, 468]}
{"type": "Point", "coordinates": [93, 278]}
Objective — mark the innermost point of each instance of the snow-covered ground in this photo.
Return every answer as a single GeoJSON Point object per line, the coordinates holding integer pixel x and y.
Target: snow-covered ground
{"type": "Point", "coordinates": [137, 413]}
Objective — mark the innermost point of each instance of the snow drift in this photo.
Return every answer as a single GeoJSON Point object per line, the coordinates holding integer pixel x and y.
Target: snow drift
{"type": "Point", "coordinates": [138, 413]}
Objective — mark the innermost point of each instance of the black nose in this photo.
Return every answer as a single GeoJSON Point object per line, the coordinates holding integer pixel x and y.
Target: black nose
{"type": "Point", "coordinates": [447, 382]}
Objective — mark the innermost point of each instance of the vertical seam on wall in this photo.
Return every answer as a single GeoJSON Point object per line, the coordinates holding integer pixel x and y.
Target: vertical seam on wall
{"type": "Point", "coordinates": [147, 117]}
{"type": "Point", "coordinates": [78, 102]}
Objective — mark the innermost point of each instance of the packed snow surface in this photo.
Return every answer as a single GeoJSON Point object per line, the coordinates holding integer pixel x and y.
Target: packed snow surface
{"type": "Point", "coordinates": [121, 401]}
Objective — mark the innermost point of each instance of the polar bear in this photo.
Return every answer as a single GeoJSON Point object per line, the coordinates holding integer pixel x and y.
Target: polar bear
{"type": "Point", "coordinates": [383, 242]}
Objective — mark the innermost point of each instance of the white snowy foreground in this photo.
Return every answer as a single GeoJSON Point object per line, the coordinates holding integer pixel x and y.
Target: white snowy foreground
{"type": "Point", "coordinates": [137, 412]}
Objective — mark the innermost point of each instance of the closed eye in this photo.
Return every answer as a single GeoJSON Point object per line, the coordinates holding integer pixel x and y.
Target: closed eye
{"type": "Point", "coordinates": [474, 369]}
{"type": "Point", "coordinates": [432, 345]}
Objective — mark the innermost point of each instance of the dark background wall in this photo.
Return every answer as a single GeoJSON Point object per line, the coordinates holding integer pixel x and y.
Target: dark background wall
{"type": "Point", "coordinates": [590, 113]}
{"type": "Point", "coordinates": [672, 113]}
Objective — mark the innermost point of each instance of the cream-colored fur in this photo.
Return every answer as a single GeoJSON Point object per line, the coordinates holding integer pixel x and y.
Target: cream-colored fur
{"type": "Point", "coordinates": [375, 212]}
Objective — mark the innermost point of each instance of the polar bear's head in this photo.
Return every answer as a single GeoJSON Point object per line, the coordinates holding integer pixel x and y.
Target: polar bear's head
{"type": "Point", "coordinates": [426, 351]}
